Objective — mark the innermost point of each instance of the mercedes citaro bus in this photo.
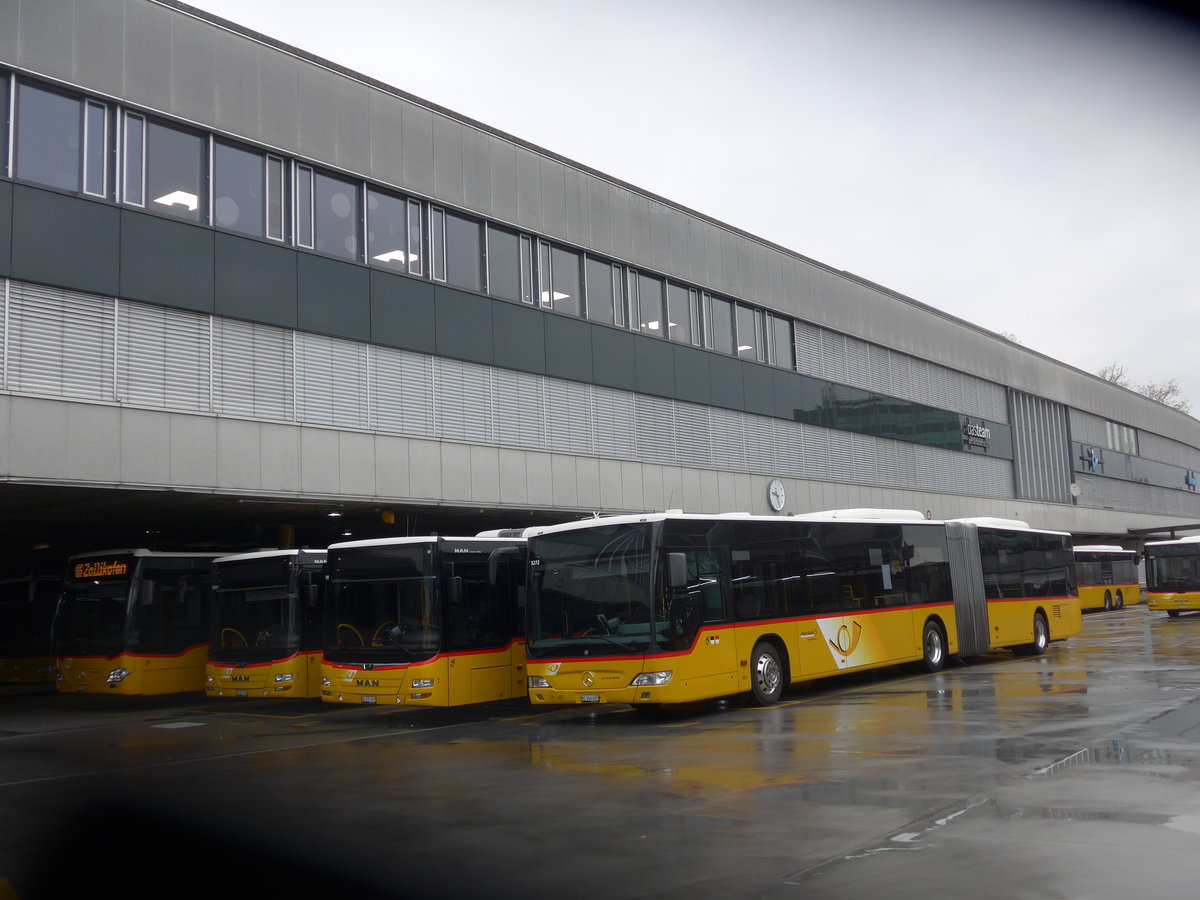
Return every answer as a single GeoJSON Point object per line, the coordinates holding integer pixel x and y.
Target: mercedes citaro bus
{"type": "Point", "coordinates": [671, 608]}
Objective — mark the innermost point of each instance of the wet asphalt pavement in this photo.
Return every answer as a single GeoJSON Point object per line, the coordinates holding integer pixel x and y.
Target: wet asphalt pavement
{"type": "Point", "coordinates": [1074, 775]}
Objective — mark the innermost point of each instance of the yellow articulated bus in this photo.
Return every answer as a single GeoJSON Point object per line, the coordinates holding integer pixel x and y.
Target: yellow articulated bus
{"type": "Point", "coordinates": [26, 612]}
{"type": "Point", "coordinates": [1108, 576]}
{"type": "Point", "coordinates": [133, 622]}
{"type": "Point", "coordinates": [673, 608]}
{"type": "Point", "coordinates": [425, 621]}
{"type": "Point", "coordinates": [1173, 575]}
{"type": "Point", "coordinates": [265, 637]}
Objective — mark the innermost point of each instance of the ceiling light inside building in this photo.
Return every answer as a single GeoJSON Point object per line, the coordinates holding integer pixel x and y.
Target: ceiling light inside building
{"type": "Point", "coordinates": [179, 198]}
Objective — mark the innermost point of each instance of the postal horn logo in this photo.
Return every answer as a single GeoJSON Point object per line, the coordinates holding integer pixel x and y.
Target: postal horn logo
{"type": "Point", "coordinates": [847, 639]}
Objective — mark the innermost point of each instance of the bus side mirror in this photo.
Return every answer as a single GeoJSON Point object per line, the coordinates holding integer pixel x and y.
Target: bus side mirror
{"type": "Point", "coordinates": [312, 596]}
{"type": "Point", "coordinates": [677, 570]}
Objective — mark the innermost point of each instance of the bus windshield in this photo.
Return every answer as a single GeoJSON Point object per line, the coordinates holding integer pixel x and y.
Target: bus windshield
{"type": "Point", "coordinates": [384, 605]}
{"type": "Point", "coordinates": [590, 592]}
{"type": "Point", "coordinates": [91, 620]}
{"type": "Point", "coordinates": [256, 619]}
{"type": "Point", "coordinates": [1173, 568]}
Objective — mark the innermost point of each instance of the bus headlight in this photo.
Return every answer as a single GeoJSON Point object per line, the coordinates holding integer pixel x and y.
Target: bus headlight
{"type": "Point", "coordinates": [325, 682]}
{"type": "Point", "coordinates": [652, 679]}
{"type": "Point", "coordinates": [422, 683]}
{"type": "Point", "coordinates": [537, 681]}
{"type": "Point", "coordinates": [279, 678]}
{"type": "Point", "coordinates": [116, 676]}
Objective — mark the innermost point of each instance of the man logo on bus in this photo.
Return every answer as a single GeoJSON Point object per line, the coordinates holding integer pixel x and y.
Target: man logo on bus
{"type": "Point", "coordinates": [847, 639]}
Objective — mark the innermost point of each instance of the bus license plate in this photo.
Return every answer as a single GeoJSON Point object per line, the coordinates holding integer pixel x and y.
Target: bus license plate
{"type": "Point", "coordinates": [589, 698]}
{"type": "Point", "coordinates": [368, 699]}
{"type": "Point", "coordinates": [243, 693]}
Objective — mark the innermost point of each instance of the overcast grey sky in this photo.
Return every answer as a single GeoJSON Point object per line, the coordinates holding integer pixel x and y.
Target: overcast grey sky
{"type": "Point", "coordinates": [1033, 167]}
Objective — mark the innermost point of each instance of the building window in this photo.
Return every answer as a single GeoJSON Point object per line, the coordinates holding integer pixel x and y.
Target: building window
{"type": "Point", "coordinates": [387, 232]}
{"type": "Point", "coordinates": [48, 137]}
{"type": "Point", "coordinates": [683, 315]}
{"type": "Point", "coordinates": [416, 239]}
{"type": "Point", "coordinates": [457, 250]}
{"type": "Point", "coordinates": [649, 303]}
{"type": "Point", "coordinates": [4, 161]}
{"type": "Point", "coordinates": [1121, 438]}
{"type": "Point", "coordinates": [239, 183]}
{"type": "Point", "coordinates": [133, 173]}
{"type": "Point", "coordinates": [174, 172]}
{"type": "Point", "coordinates": [719, 325]}
{"type": "Point", "coordinates": [276, 229]}
{"type": "Point", "coordinates": [559, 279]}
{"type": "Point", "coordinates": [750, 344]}
{"type": "Point", "coordinates": [304, 206]}
{"type": "Point", "coordinates": [95, 149]}
{"type": "Point", "coordinates": [505, 264]}
{"type": "Point", "coordinates": [605, 298]}
{"type": "Point", "coordinates": [782, 344]}
{"type": "Point", "coordinates": [336, 216]}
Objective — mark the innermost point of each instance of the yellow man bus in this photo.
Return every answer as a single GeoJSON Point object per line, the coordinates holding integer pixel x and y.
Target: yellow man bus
{"type": "Point", "coordinates": [673, 608]}
{"type": "Point", "coordinates": [26, 612]}
{"type": "Point", "coordinates": [133, 622]}
{"type": "Point", "coordinates": [1173, 575]}
{"type": "Point", "coordinates": [425, 621]}
{"type": "Point", "coordinates": [1108, 576]}
{"type": "Point", "coordinates": [265, 637]}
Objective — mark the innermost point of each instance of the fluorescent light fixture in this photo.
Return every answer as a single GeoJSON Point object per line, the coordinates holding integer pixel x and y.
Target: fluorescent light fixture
{"type": "Point", "coordinates": [179, 198]}
{"type": "Point", "coordinates": [394, 256]}
{"type": "Point", "coordinates": [742, 347]}
{"type": "Point", "coordinates": [653, 326]}
{"type": "Point", "coordinates": [554, 296]}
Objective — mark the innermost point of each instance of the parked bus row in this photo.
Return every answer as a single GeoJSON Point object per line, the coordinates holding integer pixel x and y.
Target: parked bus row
{"type": "Point", "coordinates": [650, 609]}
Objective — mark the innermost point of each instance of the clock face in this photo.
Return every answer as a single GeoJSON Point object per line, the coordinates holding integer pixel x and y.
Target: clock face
{"type": "Point", "coordinates": [775, 494]}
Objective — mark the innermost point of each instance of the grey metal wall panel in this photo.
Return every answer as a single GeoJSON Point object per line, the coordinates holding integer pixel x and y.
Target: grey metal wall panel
{"type": "Point", "coordinates": [728, 387]}
{"type": "Point", "coordinates": [659, 218]}
{"type": "Point", "coordinates": [6, 212]}
{"type": "Point", "coordinates": [385, 118]}
{"type": "Point", "coordinates": [402, 312]}
{"type": "Point", "coordinates": [519, 338]}
{"type": "Point", "coordinates": [317, 137]}
{"type": "Point", "coordinates": [463, 401]}
{"type": "Point", "coordinates": [236, 84]}
{"type": "Point", "coordinates": [529, 189]}
{"type": "Point", "coordinates": [578, 227]}
{"type": "Point", "coordinates": [759, 389]}
{"type": "Point", "coordinates": [713, 256]}
{"type": "Point", "coordinates": [416, 125]}
{"type": "Point", "coordinates": [613, 358]}
{"type": "Point", "coordinates": [463, 325]}
{"type": "Point", "coordinates": [502, 164]}
{"type": "Point", "coordinates": [60, 342]}
{"type": "Point", "coordinates": [655, 364]}
{"type": "Point", "coordinates": [333, 297]}
{"type": "Point", "coordinates": [693, 435]}
{"type": "Point", "coordinates": [477, 176]}
{"type": "Point", "coordinates": [639, 230]}
{"type": "Point", "coordinates": [93, 441]}
{"type": "Point", "coordinates": [680, 255]}
{"type": "Point", "coordinates": [351, 125]}
{"type": "Point", "coordinates": [554, 198]}
{"type": "Point", "coordinates": [147, 54]}
{"type": "Point", "coordinates": [655, 429]}
{"type": "Point", "coordinates": [166, 262]}
{"type": "Point", "coordinates": [45, 35]}
{"type": "Point", "coordinates": [620, 223]}
{"type": "Point", "coordinates": [278, 99]}
{"type": "Point", "coordinates": [697, 254]}
{"type": "Point", "coordinates": [447, 160]}
{"type": "Point", "coordinates": [391, 466]}
{"type": "Point", "coordinates": [731, 278]}
{"type": "Point", "coordinates": [193, 69]}
{"type": "Point", "coordinates": [599, 210]}
{"type": "Point", "coordinates": [145, 447]}
{"type": "Point", "coordinates": [569, 424]}
{"type": "Point", "coordinates": [568, 351]}
{"type": "Point", "coordinates": [239, 455]}
{"type": "Point", "coordinates": [46, 225]}
{"type": "Point", "coordinates": [613, 415]}
{"type": "Point", "coordinates": [36, 434]}
{"type": "Point", "coordinates": [692, 375]}
{"type": "Point", "coordinates": [255, 280]}
{"type": "Point", "coordinates": [10, 14]}
{"type": "Point", "coordinates": [99, 45]}
{"type": "Point", "coordinates": [728, 439]}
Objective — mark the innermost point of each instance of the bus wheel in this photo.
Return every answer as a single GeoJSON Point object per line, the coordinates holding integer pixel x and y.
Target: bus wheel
{"type": "Point", "coordinates": [1041, 636]}
{"type": "Point", "coordinates": [766, 675]}
{"type": "Point", "coordinates": [1108, 599]}
{"type": "Point", "coordinates": [1173, 613]}
{"type": "Point", "coordinates": [1120, 600]}
{"type": "Point", "coordinates": [934, 647]}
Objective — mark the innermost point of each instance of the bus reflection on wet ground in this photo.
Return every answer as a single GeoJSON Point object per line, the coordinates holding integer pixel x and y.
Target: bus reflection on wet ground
{"type": "Point", "coordinates": [1072, 774]}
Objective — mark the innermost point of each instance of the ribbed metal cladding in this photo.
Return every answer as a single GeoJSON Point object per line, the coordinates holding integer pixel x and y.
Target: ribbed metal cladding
{"type": "Point", "coordinates": [60, 343]}
{"type": "Point", "coordinates": [1042, 447]}
{"type": "Point", "coordinates": [966, 579]}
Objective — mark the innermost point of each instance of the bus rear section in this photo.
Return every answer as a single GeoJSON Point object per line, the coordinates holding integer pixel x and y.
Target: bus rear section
{"type": "Point", "coordinates": [265, 637]}
{"type": "Point", "coordinates": [26, 613]}
{"type": "Point", "coordinates": [1173, 575]}
{"type": "Point", "coordinates": [1014, 586]}
{"type": "Point", "coordinates": [669, 608]}
{"type": "Point", "coordinates": [133, 622]}
{"type": "Point", "coordinates": [1108, 576]}
{"type": "Point", "coordinates": [425, 621]}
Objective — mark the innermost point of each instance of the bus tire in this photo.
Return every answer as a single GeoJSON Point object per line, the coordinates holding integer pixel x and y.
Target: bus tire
{"type": "Point", "coordinates": [766, 674]}
{"type": "Point", "coordinates": [1108, 600]}
{"type": "Point", "coordinates": [933, 647]}
{"type": "Point", "coordinates": [1173, 613]}
{"type": "Point", "coordinates": [1041, 635]}
{"type": "Point", "coordinates": [1120, 599]}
